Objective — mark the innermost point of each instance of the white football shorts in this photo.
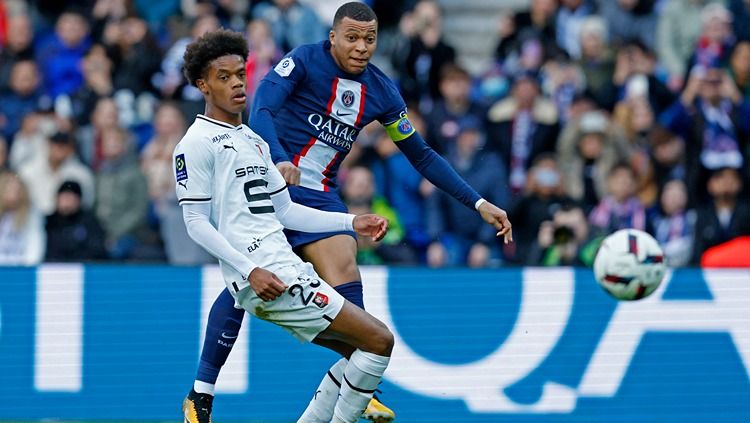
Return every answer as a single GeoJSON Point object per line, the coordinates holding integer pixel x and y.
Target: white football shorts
{"type": "Point", "coordinates": [305, 309]}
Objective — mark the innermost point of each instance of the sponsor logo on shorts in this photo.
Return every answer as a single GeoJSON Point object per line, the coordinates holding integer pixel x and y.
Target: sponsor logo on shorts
{"type": "Point", "coordinates": [320, 300]}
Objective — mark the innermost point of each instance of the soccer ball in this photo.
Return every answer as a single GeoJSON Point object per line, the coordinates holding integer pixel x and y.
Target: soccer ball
{"type": "Point", "coordinates": [629, 264]}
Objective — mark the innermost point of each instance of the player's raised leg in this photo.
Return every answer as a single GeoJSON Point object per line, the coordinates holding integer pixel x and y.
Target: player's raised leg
{"type": "Point", "coordinates": [222, 329]}
{"type": "Point", "coordinates": [374, 343]}
{"type": "Point", "coordinates": [334, 259]}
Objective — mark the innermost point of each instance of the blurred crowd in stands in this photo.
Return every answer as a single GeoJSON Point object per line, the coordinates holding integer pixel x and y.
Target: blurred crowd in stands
{"type": "Point", "coordinates": [594, 116]}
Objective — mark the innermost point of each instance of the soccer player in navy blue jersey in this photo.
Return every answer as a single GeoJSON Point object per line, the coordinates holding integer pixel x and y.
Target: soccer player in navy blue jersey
{"type": "Point", "coordinates": [310, 109]}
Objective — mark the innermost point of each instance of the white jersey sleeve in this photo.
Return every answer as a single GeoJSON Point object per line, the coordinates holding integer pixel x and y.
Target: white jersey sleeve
{"type": "Point", "coordinates": [306, 219]}
{"type": "Point", "coordinates": [194, 170]}
{"type": "Point", "coordinates": [197, 221]}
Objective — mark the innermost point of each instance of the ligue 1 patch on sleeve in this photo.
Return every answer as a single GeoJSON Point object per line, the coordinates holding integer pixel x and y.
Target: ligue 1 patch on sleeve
{"type": "Point", "coordinates": [180, 167]}
{"type": "Point", "coordinates": [285, 67]}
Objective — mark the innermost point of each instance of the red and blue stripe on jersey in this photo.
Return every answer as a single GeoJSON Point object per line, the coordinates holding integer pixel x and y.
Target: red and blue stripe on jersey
{"type": "Point", "coordinates": [320, 112]}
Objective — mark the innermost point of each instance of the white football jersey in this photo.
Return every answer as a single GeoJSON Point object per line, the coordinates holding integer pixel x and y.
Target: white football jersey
{"type": "Point", "coordinates": [231, 167]}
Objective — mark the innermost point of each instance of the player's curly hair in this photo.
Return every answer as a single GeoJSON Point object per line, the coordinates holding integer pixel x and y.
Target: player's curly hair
{"type": "Point", "coordinates": [212, 45]}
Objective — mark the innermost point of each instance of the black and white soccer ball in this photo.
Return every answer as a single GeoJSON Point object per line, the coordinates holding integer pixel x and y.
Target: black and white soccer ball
{"type": "Point", "coordinates": [629, 265]}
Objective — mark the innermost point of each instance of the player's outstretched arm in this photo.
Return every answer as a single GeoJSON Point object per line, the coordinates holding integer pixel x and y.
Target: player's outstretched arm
{"type": "Point", "coordinates": [437, 170]}
{"type": "Point", "coordinates": [306, 219]}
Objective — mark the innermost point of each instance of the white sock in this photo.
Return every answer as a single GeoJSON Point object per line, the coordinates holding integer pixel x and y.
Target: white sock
{"type": "Point", "coordinates": [204, 387]}
{"type": "Point", "coordinates": [320, 409]}
{"type": "Point", "coordinates": [361, 378]}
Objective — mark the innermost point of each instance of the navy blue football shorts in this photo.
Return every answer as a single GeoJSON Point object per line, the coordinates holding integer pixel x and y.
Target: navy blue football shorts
{"type": "Point", "coordinates": [321, 200]}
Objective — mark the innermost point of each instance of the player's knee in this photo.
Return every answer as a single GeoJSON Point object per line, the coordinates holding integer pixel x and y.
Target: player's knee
{"type": "Point", "coordinates": [382, 342]}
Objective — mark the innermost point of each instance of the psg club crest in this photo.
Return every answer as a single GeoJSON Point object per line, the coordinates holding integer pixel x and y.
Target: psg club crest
{"type": "Point", "coordinates": [404, 126]}
{"type": "Point", "coordinates": [347, 97]}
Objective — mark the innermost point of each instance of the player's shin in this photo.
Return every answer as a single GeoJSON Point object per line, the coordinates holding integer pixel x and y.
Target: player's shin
{"type": "Point", "coordinates": [320, 408]}
{"type": "Point", "coordinates": [224, 322]}
{"type": "Point", "coordinates": [361, 378]}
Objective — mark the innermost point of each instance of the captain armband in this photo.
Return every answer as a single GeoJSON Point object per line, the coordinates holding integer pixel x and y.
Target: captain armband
{"type": "Point", "coordinates": [401, 129]}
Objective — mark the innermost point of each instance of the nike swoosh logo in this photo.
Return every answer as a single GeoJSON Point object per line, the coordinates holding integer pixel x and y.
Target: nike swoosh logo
{"type": "Point", "coordinates": [223, 335]}
{"type": "Point", "coordinates": [338, 113]}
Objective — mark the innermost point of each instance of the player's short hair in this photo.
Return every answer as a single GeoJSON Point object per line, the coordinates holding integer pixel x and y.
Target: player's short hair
{"type": "Point", "coordinates": [360, 12]}
{"type": "Point", "coordinates": [209, 47]}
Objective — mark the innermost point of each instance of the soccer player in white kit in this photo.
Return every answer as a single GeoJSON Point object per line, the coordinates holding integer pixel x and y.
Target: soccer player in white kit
{"type": "Point", "coordinates": [235, 205]}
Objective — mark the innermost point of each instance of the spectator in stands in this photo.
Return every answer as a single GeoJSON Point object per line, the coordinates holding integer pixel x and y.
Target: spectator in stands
{"type": "Point", "coordinates": [264, 54]}
{"type": "Point", "coordinates": [73, 233]}
{"type": "Point", "coordinates": [668, 156]}
{"type": "Point", "coordinates": [630, 20]}
{"type": "Point", "coordinates": [564, 81]}
{"type": "Point", "coordinates": [459, 238]}
{"type": "Point", "coordinates": [725, 217]}
{"type": "Point", "coordinates": [23, 98]}
{"type": "Point", "coordinates": [44, 173]}
{"type": "Point", "coordinates": [539, 19]}
{"type": "Point", "coordinates": [634, 76]}
{"type": "Point", "coordinates": [359, 194]}
{"type": "Point", "coordinates": [739, 67]}
{"type": "Point", "coordinates": [597, 60]}
{"type": "Point", "coordinates": [21, 226]}
{"type": "Point", "coordinates": [568, 23]}
{"type": "Point", "coordinates": [678, 30]}
{"type": "Point", "coordinates": [97, 84]}
{"type": "Point", "coordinates": [134, 53]}
{"type": "Point", "coordinates": [19, 46]}
{"type": "Point", "coordinates": [422, 54]}
{"type": "Point", "coordinates": [292, 23]}
{"type": "Point", "coordinates": [31, 140]}
{"type": "Point", "coordinates": [672, 224]}
{"type": "Point", "coordinates": [620, 209]}
{"type": "Point", "coordinates": [60, 55]}
{"type": "Point", "coordinates": [521, 127]}
{"type": "Point", "coordinates": [716, 37]}
{"type": "Point", "coordinates": [714, 120]}
{"type": "Point", "coordinates": [564, 240]}
{"type": "Point", "coordinates": [455, 105]}
{"type": "Point", "coordinates": [588, 149]}
{"type": "Point", "coordinates": [170, 80]}
{"type": "Point", "coordinates": [543, 195]}
{"type": "Point", "coordinates": [121, 196]}
{"type": "Point", "coordinates": [104, 116]}
{"type": "Point", "coordinates": [636, 119]}
{"type": "Point", "coordinates": [156, 165]}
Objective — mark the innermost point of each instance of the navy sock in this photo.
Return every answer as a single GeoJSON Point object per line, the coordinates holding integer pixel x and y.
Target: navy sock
{"type": "Point", "coordinates": [223, 326]}
{"type": "Point", "coordinates": [352, 291]}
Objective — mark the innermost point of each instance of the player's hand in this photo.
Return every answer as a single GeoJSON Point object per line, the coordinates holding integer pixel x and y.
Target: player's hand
{"type": "Point", "coordinates": [498, 218]}
{"type": "Point", "coordinates": [289, 171]}
{"type": "Point", "coordinates": [266, 285]}
{"type": "Point", "coordinates": [370, 225]}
